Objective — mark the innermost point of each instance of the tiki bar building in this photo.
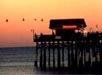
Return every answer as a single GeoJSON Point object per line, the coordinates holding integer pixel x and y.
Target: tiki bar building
{"type": "Point", "coordinates": [69, 47]}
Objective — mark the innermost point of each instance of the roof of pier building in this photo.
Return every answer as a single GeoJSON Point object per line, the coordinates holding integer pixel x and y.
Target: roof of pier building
{"type": "Point", "coordinates": [72, 24]}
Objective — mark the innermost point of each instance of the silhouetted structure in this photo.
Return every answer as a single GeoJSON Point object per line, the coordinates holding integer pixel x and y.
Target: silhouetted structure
{"type": "Point", "coordinates": [6, 20]}
{"type": "Point", "coordinates": [69, 45]}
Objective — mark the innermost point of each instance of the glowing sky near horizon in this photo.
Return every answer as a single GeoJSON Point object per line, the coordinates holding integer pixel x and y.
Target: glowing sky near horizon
{"type": "Point", "coordinates": [15, 32]}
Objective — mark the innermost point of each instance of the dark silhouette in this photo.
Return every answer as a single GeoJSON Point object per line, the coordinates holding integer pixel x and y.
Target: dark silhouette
{"type": "Point", "coordinates": [83, 52]}
{"type": "Point", "coordinates": [42, 20]}
{"type": "Point", "coordinates": [23, 19]}
{"type": "Point", "coordinates": [6, 20]}
{"type": "Point", "coordinates": [35, 19]}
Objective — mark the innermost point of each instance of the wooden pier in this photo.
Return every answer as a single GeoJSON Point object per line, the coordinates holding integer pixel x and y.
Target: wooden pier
{"type": "Point", "coordinates": [68, 49]}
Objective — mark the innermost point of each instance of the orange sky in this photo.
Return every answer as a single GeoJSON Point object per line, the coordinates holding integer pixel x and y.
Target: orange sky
{"type": "Point", "coordinates": [15, 32]}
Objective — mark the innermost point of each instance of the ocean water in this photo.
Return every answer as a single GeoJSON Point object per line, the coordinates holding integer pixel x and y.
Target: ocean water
{"type": "Point", "coordinates": [19, 61]}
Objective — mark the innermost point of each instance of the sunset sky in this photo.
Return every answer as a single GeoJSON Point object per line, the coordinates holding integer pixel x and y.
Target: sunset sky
{"type": "Point", "coordinates": [16, 32]}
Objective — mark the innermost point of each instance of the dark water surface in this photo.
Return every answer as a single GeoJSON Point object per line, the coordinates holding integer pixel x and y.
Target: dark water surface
{"type": "Point", "coordinates": [20, 61]}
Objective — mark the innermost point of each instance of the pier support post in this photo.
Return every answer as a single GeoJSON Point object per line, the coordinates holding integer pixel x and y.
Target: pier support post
{"type": "Point", "coordinates": [63, 53]}
{"type": "Point", "coordinates": [53, 54]}
{"type": "Point", "coordinates": [75, 58]}
{"type": "Point", "coordinates": [36, 55]}
{"type": "Point", "coordinates": [49, 54]}
{"type": "Point", "coordinates": [44, 56]}
{"type": "Point", "coordinates": [68, 48]}
{"type": "Point", "coordinates": [58, 61]}
{"type": "Point", "coordinates": [41, 55]}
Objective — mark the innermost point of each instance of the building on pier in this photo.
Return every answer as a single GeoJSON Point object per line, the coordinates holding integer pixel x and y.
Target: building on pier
{"type": "Point", "coordinates": [68, 46]}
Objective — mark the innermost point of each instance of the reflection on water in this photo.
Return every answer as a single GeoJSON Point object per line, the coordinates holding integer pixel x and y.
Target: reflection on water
{"type": "Point", "coordinates": [16, 69]}
{"type": "Point", "coordinates": [22, 69]}
{"type": "Point", "coordinates": [20, 61]}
